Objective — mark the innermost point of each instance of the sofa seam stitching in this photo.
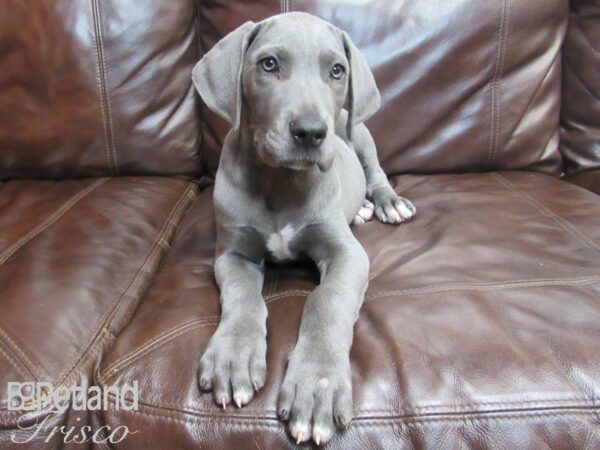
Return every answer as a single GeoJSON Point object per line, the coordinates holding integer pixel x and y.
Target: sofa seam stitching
{"type": "Point", "coordinates": [19, 353]}
{"type": "Point", "coordinates": [574, 402]}
{"type": "Point", "coordinates": [500, 75]}
{"type": "Point", "coordinates": [273, 296]}
{"type": "Point", "coordinates": [489, 287]}
{"type": "Point", "coordinates": [113, 147]}
{"type": "Point", "coordinates": [430, 408]}
{"type": "Point", "coordinates": [198, 31]}
{"type": "Point", "coordinates": [50, 220]}
{"type": "Point", "coordinates": [104, 95]}
{"type": "Point", "coordinates": [93, 351]}
{"type": "Point", "coordinates": [151, 344]}
{"type": "Point", "coordinates": [16, 363]}
{"type": "Point", "coordinates": [100, 85]}
{"type": "Point", "coordinates": [474, 416]}
{"type": "Point", "coordinates": [417, 410]}
{"type": "Point", "coordinates": [562, 223]}
{"type": "Point", "coordinates": [435, 289]}
{"type": "Point", "coordinates": [495, 85]}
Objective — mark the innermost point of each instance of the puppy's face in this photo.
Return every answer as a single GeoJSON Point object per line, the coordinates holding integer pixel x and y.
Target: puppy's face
{"type": "Point", "coordinates": [294, 85]}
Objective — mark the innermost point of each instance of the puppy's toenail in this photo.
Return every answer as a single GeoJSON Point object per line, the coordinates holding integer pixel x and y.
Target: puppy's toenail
{"type": "Point", "coordinates": [318, 439]}
{"type": "Point", "coordinates": [300, 436]}
{"type": "Point", "coordinates": [224, 403]}
{"type": "Point", "coordinates": [238, 402]}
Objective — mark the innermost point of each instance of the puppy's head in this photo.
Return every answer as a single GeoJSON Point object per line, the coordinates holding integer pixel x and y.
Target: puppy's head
{"type": "Point", "coordinates": [290, 76]}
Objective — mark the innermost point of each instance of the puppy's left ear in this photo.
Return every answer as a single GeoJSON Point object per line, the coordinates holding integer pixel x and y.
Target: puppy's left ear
{"type": "Point", "coordinates": [363, 96]}
{"type": "Point", "coordinates": [218, 75]}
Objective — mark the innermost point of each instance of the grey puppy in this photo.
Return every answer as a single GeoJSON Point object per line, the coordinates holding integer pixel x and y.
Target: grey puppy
{"type": "Point", "coordinates": [295, 171]}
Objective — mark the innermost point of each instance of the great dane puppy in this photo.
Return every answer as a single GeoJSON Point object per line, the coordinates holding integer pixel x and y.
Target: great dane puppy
{"type": "Point", "coordinates": [294, 173]}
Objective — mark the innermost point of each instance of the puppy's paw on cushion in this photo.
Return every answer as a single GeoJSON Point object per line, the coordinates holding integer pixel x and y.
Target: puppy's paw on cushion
{"type": "Point", "coordinates": [316, 394]}
{"type": "Point", "coordinates": [233, 366]}
{"type": "Point", "coordinates": [390, 207]}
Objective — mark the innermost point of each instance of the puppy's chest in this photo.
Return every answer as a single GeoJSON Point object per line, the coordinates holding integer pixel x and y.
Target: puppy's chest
{"type": "Point", "coordinates": [280, 243]}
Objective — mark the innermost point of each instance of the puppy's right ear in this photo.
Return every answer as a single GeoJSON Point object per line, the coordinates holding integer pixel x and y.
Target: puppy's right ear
{"type": "Point", "coordinates": [218, 75]}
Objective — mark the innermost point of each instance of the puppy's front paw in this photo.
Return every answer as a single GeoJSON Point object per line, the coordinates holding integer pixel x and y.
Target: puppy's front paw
{"type": "Point", "coordinates": [234, 363]}
{"type": "Point", "coordinates": [390, 207]}
{"type": "Point", "coordinates": [316, 396]}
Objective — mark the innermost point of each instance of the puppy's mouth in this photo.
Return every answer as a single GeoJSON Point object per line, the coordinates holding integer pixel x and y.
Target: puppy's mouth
{"type": "Point", "coordinates": [278, 151]}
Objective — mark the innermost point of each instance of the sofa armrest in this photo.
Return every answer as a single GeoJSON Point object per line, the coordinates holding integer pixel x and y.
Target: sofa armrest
{"type": "Point", "coordinates": [589, 180]}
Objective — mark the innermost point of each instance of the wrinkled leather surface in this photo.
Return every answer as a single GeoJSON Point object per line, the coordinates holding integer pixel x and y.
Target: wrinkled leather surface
{"type": "Point", "coordinates": [466, 86]}
{"type": "Point", "coordinates": [580, 114]}
{"type": "Point", "coordinates": [98, 87]}
{"type": "Point", "coordinates": [75, 259]}
{"type": "Point", "coordinates": [481, 327]}
{"type": "Point", "coordinates": [589, 180]}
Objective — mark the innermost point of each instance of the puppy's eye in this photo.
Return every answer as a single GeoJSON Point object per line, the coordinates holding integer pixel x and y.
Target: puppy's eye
{"type": "Point", "coordinates": [269, 64]}
{"type": "Point", "coordinates": [337, 71]}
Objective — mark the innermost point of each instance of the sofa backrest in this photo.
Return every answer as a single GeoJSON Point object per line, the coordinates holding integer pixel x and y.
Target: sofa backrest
{"type": "Point", "coordinates": [98, 87]}
{"type": "Point", "coordinates": [466, 85]}
{"type": "Point", "coordinates": [580, 113]}
{"type": "Point", "coordinates": [102, 87]}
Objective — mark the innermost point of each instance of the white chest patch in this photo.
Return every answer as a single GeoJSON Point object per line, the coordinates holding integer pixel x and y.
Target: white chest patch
{"type": "Point", "coordinates": [279, 243]}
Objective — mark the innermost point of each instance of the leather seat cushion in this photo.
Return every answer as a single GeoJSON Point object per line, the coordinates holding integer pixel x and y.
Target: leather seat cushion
{"type": "Point", "coordinates": [75, 257]}
{"type": "Point", "coordinates": [481, 326]}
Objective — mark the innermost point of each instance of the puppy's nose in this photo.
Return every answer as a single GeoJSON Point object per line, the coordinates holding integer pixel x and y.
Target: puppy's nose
{"type": "Point", "coordinates": [308, 130]}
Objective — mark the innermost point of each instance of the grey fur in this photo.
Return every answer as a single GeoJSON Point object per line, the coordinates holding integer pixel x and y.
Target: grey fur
{"type": "Point", "coordinates": [274, 199]}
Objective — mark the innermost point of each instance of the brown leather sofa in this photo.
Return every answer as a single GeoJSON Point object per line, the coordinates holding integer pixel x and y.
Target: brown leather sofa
{"type": "Point", "coordinates": [481, 325]}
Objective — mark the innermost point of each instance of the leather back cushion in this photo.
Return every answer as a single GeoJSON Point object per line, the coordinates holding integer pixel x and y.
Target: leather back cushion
{"type": "Point", "coordinates": [98, 87]}
{"type": "Point", "coordinates": [580, 132]}
{"type": "Point", "coordinates": [466, 86]}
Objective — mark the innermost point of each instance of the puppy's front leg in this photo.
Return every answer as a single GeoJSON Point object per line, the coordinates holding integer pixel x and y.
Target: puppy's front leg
{"type": "Point", "coordinates": [235, 356]}
{"type": "Point", "coordinates": [316, 394]}
{"type": "Point", "coordinates": [389, 207]}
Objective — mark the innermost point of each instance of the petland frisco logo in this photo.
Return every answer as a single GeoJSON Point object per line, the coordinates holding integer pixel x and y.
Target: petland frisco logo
{"type": "Point", "coordinates": [43, 397]}
{"type": "Point", "coordinates": [39, 396]}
